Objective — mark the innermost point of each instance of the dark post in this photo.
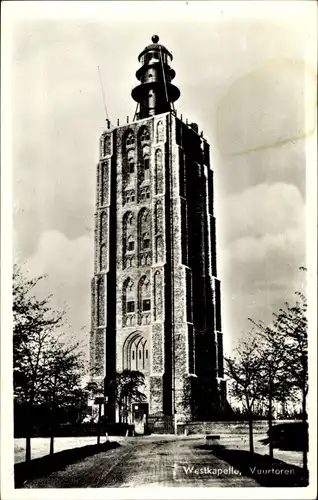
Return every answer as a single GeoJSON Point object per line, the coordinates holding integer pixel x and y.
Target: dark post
{"type": "Point", "coordinates": [270, 409]}
{"type": "Point", "coordinates": [99, 401]}
{"type": "Point", "coordinates": [29, 429]}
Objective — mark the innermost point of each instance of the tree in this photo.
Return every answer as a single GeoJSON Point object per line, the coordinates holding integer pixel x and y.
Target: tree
{"type": "Point", "coordinates": [125, 388]}
{"type": "Point", "coordinates": [44, 366]}
{"type": "Point", "coordinates": [61, 389]}
{"type": "Point", "coordinates": [275, 383]}
{"type": "Point", "coordinates": [244, 370]}
{"type": "Point", "coordinates": [291, 323]}
{"type": "Point", "coordinates": [285, 352]}
{"type": "Point", "coordinates": [33, 323]}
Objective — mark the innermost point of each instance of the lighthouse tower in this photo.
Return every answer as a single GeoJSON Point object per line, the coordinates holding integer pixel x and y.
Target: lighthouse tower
{"type": "Point", "coordinates": [156, 304]}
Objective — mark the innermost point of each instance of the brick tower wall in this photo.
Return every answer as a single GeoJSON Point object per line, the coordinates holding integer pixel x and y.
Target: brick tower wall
{"type": "Point", "coordinates": [180, 335]}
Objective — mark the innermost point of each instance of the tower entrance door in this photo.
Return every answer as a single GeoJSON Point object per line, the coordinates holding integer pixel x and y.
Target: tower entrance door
{"type": "Point", "coordinates": [140, 417]}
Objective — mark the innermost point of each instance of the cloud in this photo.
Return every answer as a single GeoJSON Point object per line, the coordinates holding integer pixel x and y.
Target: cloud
{"type": "Point", "coordinates": [265, 247]}
{"type": "Point", "coordinates": [267, 107]}
{"type": "Point", "coordinates": [262, 210]}
{"type": "Point", "coordinates": [69, 268]}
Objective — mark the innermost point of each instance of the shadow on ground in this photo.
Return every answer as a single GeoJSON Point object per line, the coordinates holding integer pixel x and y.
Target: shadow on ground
{"type": "Point", "coordinates": [266, 471]}
{"type": "Point", "coordinates": [43, 466]}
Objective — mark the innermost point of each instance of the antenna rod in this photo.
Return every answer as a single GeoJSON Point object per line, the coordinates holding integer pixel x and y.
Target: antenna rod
{"type": "Point", "coordinates": [163, 74]}
{"type": "Point", "coordinates": [101, 84]}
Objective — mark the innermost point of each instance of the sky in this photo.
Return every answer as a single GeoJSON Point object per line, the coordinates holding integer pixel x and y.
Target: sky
{"type": "Point", "coordinates": [247, 78]}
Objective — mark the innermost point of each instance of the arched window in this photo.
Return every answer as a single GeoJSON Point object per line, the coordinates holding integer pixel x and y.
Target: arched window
{"type": "Point", "coordinates": [158, 172]}
{"type": "Point", "coordinates": [103, 257]}
{"type": "Point", "coordinates": [144, 136]}
{"type": "Point", "coordinates": [129, 237]}
{"type": "Point", "coordinates": [160, 131]}
{"type": "Point", "coordinates": [158, 217]}
{"type": "Point", "coordinates": [158, 296]}
{"type": "Point", "coordinates": [144, 237]}
{"type": "Point", "coordinates": [129, 300]}
{"type": "Point", "coordinates": [103, 226]}
{"type": "Point", "coordinates": [130, 219]}
{"type": "Point", "coordinates": [144, 300]}
{"type": "Point", "coordinates": [159, 249]}
{"type": "Point", "coordinates": [101, 301]}
{"type": "Point", "coordinates": [136, 353]}
{"type": "Point", "coordinates": [130, 140]}
{"type": "Point", "coordinates": [104, 182]}
{"type": "Point", "coordinates": [107, 145]}
{"type": "Point", "coordinates": [144, 216]}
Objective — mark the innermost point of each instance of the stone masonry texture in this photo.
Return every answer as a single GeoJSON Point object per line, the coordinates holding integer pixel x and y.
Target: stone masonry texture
{"type": "Point", "coordinates": [155, 293]}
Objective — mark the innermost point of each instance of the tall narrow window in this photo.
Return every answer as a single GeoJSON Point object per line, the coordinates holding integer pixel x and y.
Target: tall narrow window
{"type": "Point", "coordinates": [160, 131]}
{"type": "Point", "coordinates": [159, 249]}
{"type": "Point", "coordinates": [128, 303]}
{"type": "Point", "coordinates": [144, 302]}
{"type": "Point", "coordinates": [101, 301]}
{"type": "Point", "coordinates": [105, 183]}
{"type": "Point", "coordinates": [158, 217]}
{"type": "Point", "coordinates": [129, 238]}
{"type": "Point", "coordinates": [146, 169]}
{"type": "Point", "coordinates": [157, 296]}
{"type": "Point", "coordinates": [103, 257]}
{"type": "Point", "coordinates": [103, 226]}
{"type": "Point", "coordinates": [158, 172]}
{"type": "Point", "coordinates": [144, 234]}
{"type": "Point", "coordinates": [107, 145]}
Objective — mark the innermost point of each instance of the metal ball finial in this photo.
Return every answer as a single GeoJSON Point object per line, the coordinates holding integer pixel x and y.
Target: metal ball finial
{"type": "Point", "coordinates": [155, 38]}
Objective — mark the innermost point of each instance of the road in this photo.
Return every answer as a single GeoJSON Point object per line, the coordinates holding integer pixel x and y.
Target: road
{"type": "Point", "coordinates": [148, 461]}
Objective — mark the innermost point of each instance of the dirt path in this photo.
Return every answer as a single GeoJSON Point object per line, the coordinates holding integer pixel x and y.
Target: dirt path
{"type": "Point", "coordinates": [148, 461]}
